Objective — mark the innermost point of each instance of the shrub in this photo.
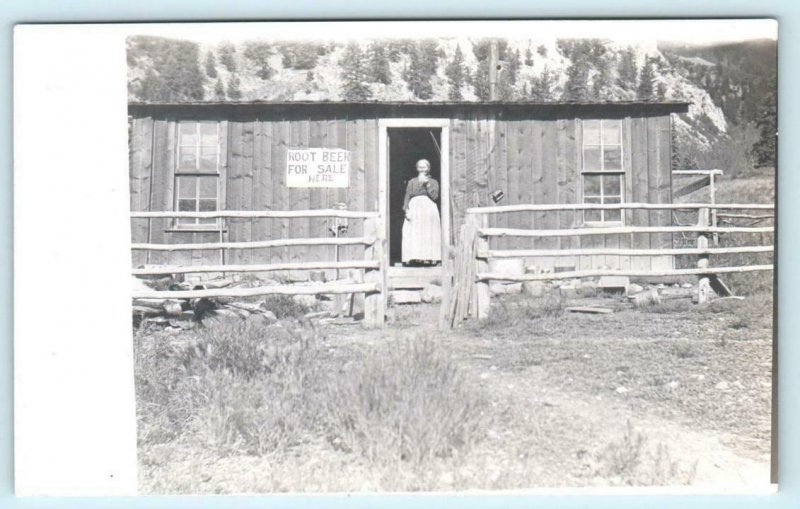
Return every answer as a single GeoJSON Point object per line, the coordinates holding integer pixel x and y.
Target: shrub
{"type": "Point", "coordinates": [285, 306]}
{"type": "Point", "coordinates": [622, 457]}
{"type": "Point", "coordinates": [404, 402]}
{"type": "Point", "coordinates": [233, 385]}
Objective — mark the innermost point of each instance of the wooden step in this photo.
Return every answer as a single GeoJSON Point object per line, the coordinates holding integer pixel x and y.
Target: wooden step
{"type": "Point", "coordinates": [413, 278]}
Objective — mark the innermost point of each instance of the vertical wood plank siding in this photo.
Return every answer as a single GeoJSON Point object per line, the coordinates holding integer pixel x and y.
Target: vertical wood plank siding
{"type": "Point", "coordinates": [532, 160]}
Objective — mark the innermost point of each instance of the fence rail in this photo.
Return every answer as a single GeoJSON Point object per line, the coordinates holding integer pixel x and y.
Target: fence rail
{"type": "Point", "coordinates": [256, 214]}
{"type": "Point", "coordinates": [472, 295]}
{"type": "Point", "coordinates": [374, 264]}
{"type": "Point", "coordinates": [555, 207]}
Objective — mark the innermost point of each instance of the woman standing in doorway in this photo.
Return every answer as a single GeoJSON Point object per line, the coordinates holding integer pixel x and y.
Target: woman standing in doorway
{"type": "Point", "coordinates": [422, 228]}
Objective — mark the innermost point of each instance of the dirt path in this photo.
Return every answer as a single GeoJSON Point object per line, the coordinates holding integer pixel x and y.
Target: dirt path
{"type": "Point", "coordinates": [553, 436]}
{"type": "Point", "coordinates": [578, 427]}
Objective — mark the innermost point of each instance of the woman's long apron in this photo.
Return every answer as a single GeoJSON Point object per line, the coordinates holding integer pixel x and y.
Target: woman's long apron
{"type": "Point", "coordinates": [422, 231]}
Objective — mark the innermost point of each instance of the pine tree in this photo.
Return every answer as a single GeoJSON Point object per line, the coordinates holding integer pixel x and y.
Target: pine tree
{"type": "Point", "coordinates": [577, 86]}
{"type": "Point", "coordinates": [379, 71]}
{"type": "Point", "coordinates": [234, 90]}
{"type": "Point", "coordinates": [354, 74]}
{"type": "Point", "coordinates": [260, 53]}
{"type": "Point", "coordinates": [219, 90]}
{"type": "Point", "coordinates": [211, 65]}
{"type": "Point", "coordinates": [226, 56]}
{"type": "Point", "coordinates": [529, 57]}
{"type": "Point", "coordinates": [542, 50]}
{"type": "Point", "coordinates": [422, 67]}
{"type": "Point", "coordinates": [300, 55]}
{"type": "Point", "coordinates": [542, 87]}
{"type": "Point", "coordinates": [661, 91]}
{"type": "Point", "coordinates": [600, 84]}
{"type": "Point", "coordinates": [480, 82]}
{"type": "Point", "coordinates": [646, 90]}
{"type": "Point", "coordinates": [626, 70]}
{"type": "Point", "coordinates": [765, 149]}
{"type": "Point", "coordinates": [514, 63]}
{"type": "Point", "coordinates": [174, 72]}
{"type": "Point", "coordinates": [455, 75]}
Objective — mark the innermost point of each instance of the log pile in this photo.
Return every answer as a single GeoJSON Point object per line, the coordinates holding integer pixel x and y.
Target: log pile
{"type": "Point", "coordinates": [174, 311]}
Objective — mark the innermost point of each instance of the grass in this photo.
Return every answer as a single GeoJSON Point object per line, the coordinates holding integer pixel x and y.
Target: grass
{"type": "Point", "coordinates": [405, 402]}
{"type": "Point", "coordinates": [240, 389]}
{"type": "Point", "coordinates": [512, 311]}
{"type": "Point", "coordinates": [630, 461]}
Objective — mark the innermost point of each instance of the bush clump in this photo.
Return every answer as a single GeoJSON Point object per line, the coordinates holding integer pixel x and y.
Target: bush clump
{"type": "Point", "coordinates": [406, 402]}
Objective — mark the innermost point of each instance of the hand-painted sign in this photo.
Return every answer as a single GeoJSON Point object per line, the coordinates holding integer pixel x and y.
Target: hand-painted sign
{"type": "Point", "coordinates": [317, 167]}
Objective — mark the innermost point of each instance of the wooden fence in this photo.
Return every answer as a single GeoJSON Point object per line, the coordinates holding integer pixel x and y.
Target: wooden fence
{"type": "Point", "coordinates": [374, 264]}
{"type": "Point", "coordinates": [471, 293]}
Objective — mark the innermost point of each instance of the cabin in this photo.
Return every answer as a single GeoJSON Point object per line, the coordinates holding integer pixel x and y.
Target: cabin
{"type": "Point", "coordinates": [358, 156]}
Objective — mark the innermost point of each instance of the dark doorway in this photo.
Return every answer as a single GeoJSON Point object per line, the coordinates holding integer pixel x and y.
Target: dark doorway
{"type": "Point", "coordinates": [407, 145]}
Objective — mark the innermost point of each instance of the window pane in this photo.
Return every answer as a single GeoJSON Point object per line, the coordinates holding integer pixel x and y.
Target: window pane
{"type": "Point", "coordinates": [208, 159]}
{"type": "Point", "coordinates": [186, 220]}
{"type": "Point", "coordinates": [208, 187]}
{"type": "Point", "coordinates": [611, 132]}
{"type": "Point", "coordinates": [187, 159]}
{"type": "Point", "coordinates": [208, 205]}
{"type": "Point", "coordinates": [613, 215]}
{"type": "Point", "coordinates": [591, 185]}
{"type": "Point", "coordinates": [186, 187]}
{"type": "Point", "coordinates": [611, 185]}
{"type": "Point", "coordinates": [612, 158]}
{"type": "Point", "coordinates": [188, 132]}
{"type": "Point", "coordinates": [591, 158]}
{"type": "Point", "coordinates": [612, 199]}
{"type": "Point", "coordinates": [592, 215]}
{"type": "Point", "coordinates": [207, 220]}
{"type": "Point", "coordinates": [591, 132]}
{"type": "Point", "coordinates": [186, 205]}
{"type": "Point", "coordinates": [208, 134]}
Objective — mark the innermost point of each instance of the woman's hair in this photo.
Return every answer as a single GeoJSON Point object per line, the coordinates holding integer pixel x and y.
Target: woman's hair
{"type": "Point", "coordinates": [427, 163]}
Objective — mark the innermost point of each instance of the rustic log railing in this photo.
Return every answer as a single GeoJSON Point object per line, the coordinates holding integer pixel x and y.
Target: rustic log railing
{"type": "Point", "coordinates": [471, 283]}
{"type": "Point", "coordinates": [374, 263]}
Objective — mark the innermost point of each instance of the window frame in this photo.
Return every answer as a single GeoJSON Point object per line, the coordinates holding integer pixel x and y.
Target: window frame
{"type": "Point", "coordinates": [195, 224]}
{"type": "Point", "coordinates": [602, 172]}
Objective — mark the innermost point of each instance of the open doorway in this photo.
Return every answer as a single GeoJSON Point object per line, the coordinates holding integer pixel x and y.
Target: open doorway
{"type": "Point", "coordinates": [407, 145]}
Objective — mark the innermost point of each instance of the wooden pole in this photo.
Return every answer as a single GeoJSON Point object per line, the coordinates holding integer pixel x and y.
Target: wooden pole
{"type": "Point", "coordinates": [533, 253]}
{"type": "Point", "coordinates": [321, 289]}
{"type": "Point", "coordinates": [257, 214]}
{"type": "Point", "coordinates": [704, 284]}
{"type": "Point", "coordinates": [494, 60]}
{"type": "Point", "coordinates": [481, 290]}
{"type": "Point", "coordinates": [322, 241]}
{"type": "Point", "coordinates": [521, 278]}
{"type": "Point", "coordinates": [267, 267]}
{"type": "Point", "coordinates": [713, 199]}
{"type": "Point", "coordinates": [375, 301]}
{"type": "Point", "coordinates": [514, 232]}
{"type": "Point", "coordinates": [543, 207]}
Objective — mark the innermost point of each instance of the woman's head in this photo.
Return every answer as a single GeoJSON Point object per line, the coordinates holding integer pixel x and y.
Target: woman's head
{"type": "Point", "coordinates": [424, 166]}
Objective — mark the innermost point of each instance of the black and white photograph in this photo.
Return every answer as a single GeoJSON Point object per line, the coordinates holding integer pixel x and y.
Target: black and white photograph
{"type": "Point", "coordinates": [453, 256]}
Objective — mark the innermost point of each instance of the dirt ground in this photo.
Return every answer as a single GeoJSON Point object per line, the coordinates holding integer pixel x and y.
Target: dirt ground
{"type": "Point", "coordinates": [678, 394]}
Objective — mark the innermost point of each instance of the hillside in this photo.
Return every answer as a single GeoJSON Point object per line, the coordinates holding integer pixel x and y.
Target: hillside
{"type": "Point", "coordinates": [724, 84]}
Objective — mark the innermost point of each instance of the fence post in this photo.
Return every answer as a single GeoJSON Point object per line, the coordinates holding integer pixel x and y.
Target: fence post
{"type": "Point", "coordinates": [481, 290]}
{"type": "Point", "coordinates": [704, 284]}
{"type": "Point", "coordinates": [375, 302]}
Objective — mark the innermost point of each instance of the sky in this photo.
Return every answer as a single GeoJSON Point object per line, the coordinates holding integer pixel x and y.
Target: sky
{"type": "Point", "coordinates": [689, 31]}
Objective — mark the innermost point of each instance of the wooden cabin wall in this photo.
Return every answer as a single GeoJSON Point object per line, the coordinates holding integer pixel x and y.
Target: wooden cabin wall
{"type": "Point", "coordinates": [539, 161]}
{"type": "Point", "coordinates": [531, 160]}
{"type": "Point", "coordinates": [253, 178]}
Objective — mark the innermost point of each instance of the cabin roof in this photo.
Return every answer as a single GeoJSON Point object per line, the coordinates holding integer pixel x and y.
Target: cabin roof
{"type": "Point", "coordinates": [672, 106]}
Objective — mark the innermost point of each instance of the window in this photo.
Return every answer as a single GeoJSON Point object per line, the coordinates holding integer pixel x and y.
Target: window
{"type": "Point", "coordinates": [603, 170]}
{"type": "Point", "coordinates": [197, 171]}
